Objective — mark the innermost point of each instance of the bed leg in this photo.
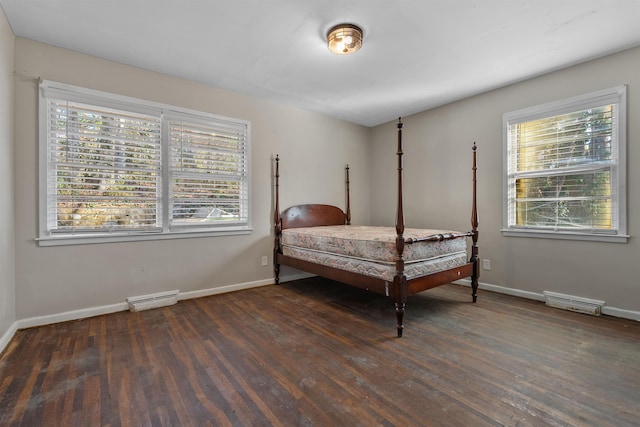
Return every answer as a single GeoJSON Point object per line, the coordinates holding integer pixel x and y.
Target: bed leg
{"type": "Point", "coordinates": [476, 266]}
{"type": "Point", "coordinates": [400, 297]}
{"type": "Point", "coordinates": [399, 315]}
{"type": "Point", "coordinates": [474, 288]}
{"type": "Point", "coordinates": [276, 267]}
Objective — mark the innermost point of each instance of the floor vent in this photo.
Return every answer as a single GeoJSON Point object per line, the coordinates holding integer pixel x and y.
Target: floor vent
{"type": "Point", "coordinates": [573, 303]}
{"type": "Point", "coordinates": [147, 302]}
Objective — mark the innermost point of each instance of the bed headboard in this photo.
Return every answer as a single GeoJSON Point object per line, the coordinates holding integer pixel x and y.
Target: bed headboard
{"type": "Point", "coordinates": [312, 215]}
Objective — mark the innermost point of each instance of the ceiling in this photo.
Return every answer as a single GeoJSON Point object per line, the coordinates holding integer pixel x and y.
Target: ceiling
{"type": "Point", "coordinates": [416, 54]}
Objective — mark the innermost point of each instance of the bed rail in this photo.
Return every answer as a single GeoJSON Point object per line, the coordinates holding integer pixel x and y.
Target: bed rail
{"type": "Point", "coordinates": [437, 237]}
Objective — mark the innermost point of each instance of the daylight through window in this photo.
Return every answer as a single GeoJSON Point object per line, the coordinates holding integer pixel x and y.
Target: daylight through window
{"type": "Point", "coordinates": [565, 167]}
{"type": "Point", "coordinates": [121, 167]}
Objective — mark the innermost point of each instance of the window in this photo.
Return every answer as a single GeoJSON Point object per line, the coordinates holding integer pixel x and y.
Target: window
{"type": "Point", "coordinates": [115, 168]}
{"type": "Point", "coordinates": [565, 168]}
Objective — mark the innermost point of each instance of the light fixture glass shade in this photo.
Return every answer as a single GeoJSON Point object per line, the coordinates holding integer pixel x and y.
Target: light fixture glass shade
{"type": "Point", "coordinates": [344, 39]}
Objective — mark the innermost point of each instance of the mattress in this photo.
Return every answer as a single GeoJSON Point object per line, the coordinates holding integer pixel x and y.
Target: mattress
{"type": "Point", "coordinates": [372, 250]}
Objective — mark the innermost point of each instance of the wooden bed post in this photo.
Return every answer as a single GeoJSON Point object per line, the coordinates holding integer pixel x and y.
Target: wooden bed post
{"type": "Point", "coordinates": [348, 196]}
{"type": "Point", "coordinates": [400, 280]}
{"type": "Point", "coordinates": [474, 230]}
{"type": "Point", "coordinates": [277, 225]}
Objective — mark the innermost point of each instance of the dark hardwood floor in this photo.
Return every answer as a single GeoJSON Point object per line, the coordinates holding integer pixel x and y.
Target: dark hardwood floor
{"type": "Point", "coordinates": [317, 353]}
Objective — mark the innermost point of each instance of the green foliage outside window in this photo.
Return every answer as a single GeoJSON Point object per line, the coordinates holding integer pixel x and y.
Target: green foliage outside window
{"type": "Point", "coordinates": [564, 170]}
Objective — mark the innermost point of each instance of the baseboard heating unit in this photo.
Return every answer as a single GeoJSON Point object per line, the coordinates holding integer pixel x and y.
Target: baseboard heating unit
{"type": "Point", "coordinates": [147, 302]}
{"type": "Point", "coordinates": [573, 303]}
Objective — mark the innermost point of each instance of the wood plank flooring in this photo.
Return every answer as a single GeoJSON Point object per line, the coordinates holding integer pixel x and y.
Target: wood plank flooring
{"type": "Point", "coordinates": [318, 353]}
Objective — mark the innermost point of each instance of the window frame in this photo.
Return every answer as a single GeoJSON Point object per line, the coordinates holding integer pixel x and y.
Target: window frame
{"type": "Point", "coordinates": [49, 89]}
{"type": "Point", "coordinates": [616, 95]}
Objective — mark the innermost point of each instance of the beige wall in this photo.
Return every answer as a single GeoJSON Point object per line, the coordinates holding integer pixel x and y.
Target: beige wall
{"type": "Point", "coordinates": [52, 280]}
{"type": "Point", "coordinates": [313, 149]}
{"type": "Point", "coordinates": [438, 184]}
{"type": "Point", "coordinates": [7, 260]}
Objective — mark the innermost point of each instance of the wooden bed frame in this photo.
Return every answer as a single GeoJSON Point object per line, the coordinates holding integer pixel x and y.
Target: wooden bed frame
{"type": "Point", "coordinates": [311, 215]}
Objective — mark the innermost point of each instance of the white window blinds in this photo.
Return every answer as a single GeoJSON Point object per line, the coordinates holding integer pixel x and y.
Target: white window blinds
{"type": "Point", "coordinates": [104, 169]}
{"type": "Point", "coordinates": [562, 170]}
{"type": "Point", "coordinates": [209, 170]}
{"type": "Point", "coordinates": [564, 166]}
{"type": "Point", "coordinates": [115, 168]}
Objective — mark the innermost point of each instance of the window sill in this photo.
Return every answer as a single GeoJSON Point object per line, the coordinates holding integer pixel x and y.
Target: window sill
{"type": "Point", "coordinates": [83, 239]}
{"type": "Point", "coordinates": [566, 235]}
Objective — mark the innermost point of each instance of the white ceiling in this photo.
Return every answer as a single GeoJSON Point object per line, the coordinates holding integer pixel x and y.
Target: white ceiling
{"type": "Point", "coordinates": [416, 54]}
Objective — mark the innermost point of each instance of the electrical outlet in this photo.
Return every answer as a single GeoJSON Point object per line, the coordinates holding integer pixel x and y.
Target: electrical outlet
{"type": "Point", "coordinates": [486, 264]}
{"type": "Point", "coordinates": [265, 261]}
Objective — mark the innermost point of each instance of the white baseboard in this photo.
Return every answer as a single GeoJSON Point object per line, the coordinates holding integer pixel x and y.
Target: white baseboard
{"type": "Point", "coordinates": [6, 337]}
{"type": "Point", "coordinates": [609, 311]}
{"type": "Point", "coordinates": [240, 286]}
{"type": "Point", "coordinates": [503, 290]}
{"type": "Point", "coordinates": [223, 289]}
{"type": "Point", "coordinates": [82, 313]}
{"type": "Point", "coordinates": [124, 306]}
{"type": "Point", "coordinates": [620, 312]}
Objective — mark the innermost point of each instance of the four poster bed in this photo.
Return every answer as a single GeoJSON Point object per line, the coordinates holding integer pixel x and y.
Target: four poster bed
{"type": "Point", "coordinates": [395, 262]}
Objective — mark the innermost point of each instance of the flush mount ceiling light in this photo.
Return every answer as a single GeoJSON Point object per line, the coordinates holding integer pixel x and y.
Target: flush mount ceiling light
{"type": "Point", "coordinates": [344, 39]}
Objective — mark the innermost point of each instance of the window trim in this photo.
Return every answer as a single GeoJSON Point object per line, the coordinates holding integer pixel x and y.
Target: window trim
{"type": "Point", "coordinates": [616, 95]}
{"type": "Point", "coordinates": [48, 89]}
